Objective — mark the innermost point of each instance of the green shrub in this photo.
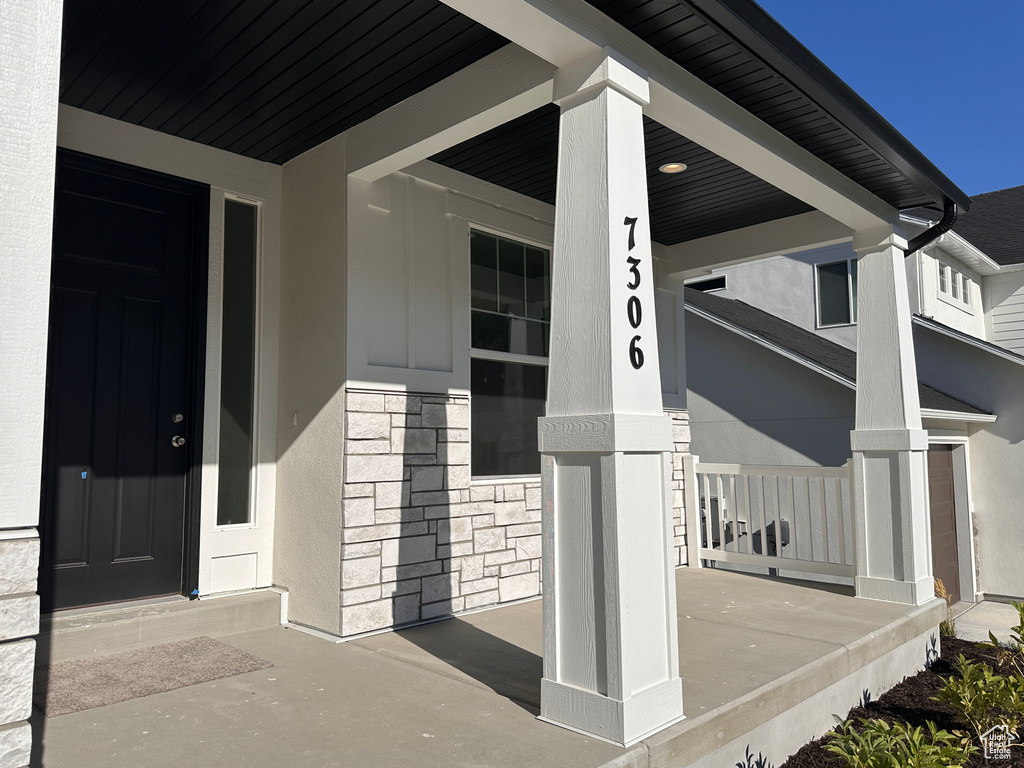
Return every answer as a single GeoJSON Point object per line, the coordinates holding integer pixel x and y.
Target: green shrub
{"type": "Point", "coordinates": [982, 698]}
{"type": "Point", "coordinates": [878, 744]}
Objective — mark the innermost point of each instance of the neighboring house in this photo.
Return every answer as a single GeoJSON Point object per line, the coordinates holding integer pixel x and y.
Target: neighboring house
{"type": "Point", "coordinates": [285, 291]}
{"type": "Point", "coordinates": [969, 332]}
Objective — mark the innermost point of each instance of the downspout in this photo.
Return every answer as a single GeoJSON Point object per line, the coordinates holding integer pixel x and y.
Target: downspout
{"type": "Point", "coordinates": [932, 233]}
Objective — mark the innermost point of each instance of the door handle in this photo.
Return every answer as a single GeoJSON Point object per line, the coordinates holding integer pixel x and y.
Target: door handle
{"type": "Point", "coordinates": [177, 441]}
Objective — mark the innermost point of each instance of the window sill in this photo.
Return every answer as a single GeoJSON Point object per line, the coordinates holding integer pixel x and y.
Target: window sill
{"type": "Point", "coordinates": [503, 479]}
{"type": "Point", "coordinates": [836, 325]}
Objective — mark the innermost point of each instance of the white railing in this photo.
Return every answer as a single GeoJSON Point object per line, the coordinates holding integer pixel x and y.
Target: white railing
{"type": "Point", "coordinates": [779, 518]}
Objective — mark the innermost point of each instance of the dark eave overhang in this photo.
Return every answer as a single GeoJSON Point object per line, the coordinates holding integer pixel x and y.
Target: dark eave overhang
{"type": "Point", "coordinates": [750, 26]}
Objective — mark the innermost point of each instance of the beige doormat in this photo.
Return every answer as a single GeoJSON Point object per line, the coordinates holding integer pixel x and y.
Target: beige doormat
{"type": "Point", "coordinates": [72, 686]}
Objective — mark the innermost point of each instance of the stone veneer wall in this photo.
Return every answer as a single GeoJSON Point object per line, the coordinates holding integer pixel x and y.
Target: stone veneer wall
{"type": "Point", "coordinates": [681, 441]}
{"type": "Point", "coordinates": [420, 540]}
{"type": "Point", "coordinates": [19, 621]}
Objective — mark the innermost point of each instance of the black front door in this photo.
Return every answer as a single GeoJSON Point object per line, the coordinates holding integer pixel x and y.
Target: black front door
{"type": "Point", "coordinates": [121, 409]}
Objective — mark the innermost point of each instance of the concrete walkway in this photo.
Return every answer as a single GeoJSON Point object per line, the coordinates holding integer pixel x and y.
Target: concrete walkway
{"type": "Point", "coordinates": [981, 618]}
{"type": "Point", "coordinates": [464, 692]}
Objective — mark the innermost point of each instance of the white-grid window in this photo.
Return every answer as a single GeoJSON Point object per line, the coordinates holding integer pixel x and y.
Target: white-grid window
{"type": "Point", "coordinates": [954, 283]}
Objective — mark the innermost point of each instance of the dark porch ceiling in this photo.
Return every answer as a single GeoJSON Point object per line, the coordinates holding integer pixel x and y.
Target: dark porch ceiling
{"type": "Point", "coordinates": [270, 79]}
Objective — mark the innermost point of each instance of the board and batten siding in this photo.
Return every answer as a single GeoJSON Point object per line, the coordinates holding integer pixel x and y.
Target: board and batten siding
{"type": "Point", "coordinates": [1006, 310]}
{"type": "Point", "coordinates": [420, 537]}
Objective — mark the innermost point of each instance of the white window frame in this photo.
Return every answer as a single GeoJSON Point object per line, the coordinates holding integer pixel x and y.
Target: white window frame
{"type": "Point", "coordinates": [253, 520]}
{"type": "Point", "coordinates": [491, 354]}
{"type": "Point", "coordinates": [851, 296]}
{"type": "Point", "coordinates": [954, 285]}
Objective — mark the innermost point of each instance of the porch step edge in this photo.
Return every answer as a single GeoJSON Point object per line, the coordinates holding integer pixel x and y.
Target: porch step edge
{"type": "Point", "coordinates": [112, 629]}
{"type": "Point", "coordinates": [695, 739]}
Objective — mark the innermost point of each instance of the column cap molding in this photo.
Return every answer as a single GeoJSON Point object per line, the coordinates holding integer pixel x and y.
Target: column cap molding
{"type": "Point", "coordinates": [889, 440]}
{"type": "Point", "coordinates": [606, 68]}
{"type": "Point", "coordinates": [868, 240]}
{"type": "Point", "coordinates": [605, 433]}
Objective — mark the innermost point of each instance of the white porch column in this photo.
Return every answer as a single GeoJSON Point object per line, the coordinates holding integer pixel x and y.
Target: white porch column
{"type": "Point", "coordinates": [891, 523]}
{"type": "Point", "coordinates": [611, 664]}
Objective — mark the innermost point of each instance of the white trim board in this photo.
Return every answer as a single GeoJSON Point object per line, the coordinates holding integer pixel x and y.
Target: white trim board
{"type": "Point", "coordinates": [229, 175]}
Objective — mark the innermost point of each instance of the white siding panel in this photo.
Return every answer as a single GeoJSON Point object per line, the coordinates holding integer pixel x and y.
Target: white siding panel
{"type": "Point", "coordinates": [1006, 297]}
{"type": "Point", "coordinates": [386, 299]}
{"type": "Point", "coordinates": [431, 323]}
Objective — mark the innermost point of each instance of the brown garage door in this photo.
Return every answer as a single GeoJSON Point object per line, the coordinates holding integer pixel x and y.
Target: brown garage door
{"type": "Point", "coordinates": [943, 512]}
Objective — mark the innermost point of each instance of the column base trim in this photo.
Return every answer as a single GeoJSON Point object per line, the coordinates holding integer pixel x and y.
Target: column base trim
{"type": "Point", "coordinates": [622, 723]}
{"type": "Point", "coordinates": [894, 591]}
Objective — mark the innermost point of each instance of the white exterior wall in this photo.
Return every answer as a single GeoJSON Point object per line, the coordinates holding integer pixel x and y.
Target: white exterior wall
{"type": "Point", "coordinates": [785, 414]}
{"type": "Point", "coordinates": [29, 74]}
{"type": "Point", "coordinates": [311, 403]}
{"type": "Point", "coordinates": [407, 535]}
{"type": "Point", "coordinates": [996, 452]}
{"type": "Point", "coordinates": [784, 286]}
{"type": "Point", "coordinates": [1004, 300]}
{"type": "Point", "coordinates": [942, 307]}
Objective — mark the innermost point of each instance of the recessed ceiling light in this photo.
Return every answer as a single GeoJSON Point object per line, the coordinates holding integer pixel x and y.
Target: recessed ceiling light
{"type": "Point", "coordinates": [672, 167]}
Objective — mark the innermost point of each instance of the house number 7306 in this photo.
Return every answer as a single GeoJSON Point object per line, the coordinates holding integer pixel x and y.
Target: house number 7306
{"type": "Point", "coordinates": [634, 310]}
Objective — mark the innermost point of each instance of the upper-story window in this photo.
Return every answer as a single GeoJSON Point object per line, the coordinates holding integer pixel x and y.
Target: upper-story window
{"type": "Point", "coordinates": [510, 318]}
{"type": "Point", "coordinates": [836, 289]}
{"type": "Point", "coordinates": [954, 284]}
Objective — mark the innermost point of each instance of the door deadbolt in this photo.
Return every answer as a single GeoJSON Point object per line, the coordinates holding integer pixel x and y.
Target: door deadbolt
{"type": "Point", "coordinates": [177, 441]}
{"type": "Point", "coordinates": [178, 418]}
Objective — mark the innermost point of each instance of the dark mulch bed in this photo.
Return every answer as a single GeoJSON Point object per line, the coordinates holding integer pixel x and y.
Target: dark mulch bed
{"type": "Point", "coordinates": [911, 702]}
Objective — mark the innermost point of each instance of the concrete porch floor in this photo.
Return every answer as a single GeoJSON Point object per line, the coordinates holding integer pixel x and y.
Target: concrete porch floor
{"type": "Point", "coordinates": [465, 691]}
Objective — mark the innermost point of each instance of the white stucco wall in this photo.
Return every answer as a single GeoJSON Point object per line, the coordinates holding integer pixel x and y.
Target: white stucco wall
{"type": "Point", "coordinates": [311, 385]}
{"type": "Point", "coordinates": [784, 286]}
{"type": "Point", "coordinates": [944, 308]}
{"type": "Point", "coordinates": [1005, 304]}
{"type": "Point", "coordinates": [29, 74]}
{"type": "Point", "coordinates": [996, 451]}
{"type": "Point", "coordinates": [29, 67]}
{"type": "Point", "coordinates": [750, 405]}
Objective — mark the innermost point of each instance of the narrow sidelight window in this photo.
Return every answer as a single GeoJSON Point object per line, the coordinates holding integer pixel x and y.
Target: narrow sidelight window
{"type": "Point", "coordinates": [238, 364]}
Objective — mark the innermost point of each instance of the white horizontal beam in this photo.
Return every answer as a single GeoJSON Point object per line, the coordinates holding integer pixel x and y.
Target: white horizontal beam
{"type": "Point", "coordinates": [772, 238]}
{"type": "Point", "coordinates": [564, 31]}
{"type": "Point", "coordinates": [500, 87]}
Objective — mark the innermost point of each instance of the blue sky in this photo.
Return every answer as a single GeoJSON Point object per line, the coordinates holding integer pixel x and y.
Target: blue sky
{"type": "Point", "coordinates": [948, 75]}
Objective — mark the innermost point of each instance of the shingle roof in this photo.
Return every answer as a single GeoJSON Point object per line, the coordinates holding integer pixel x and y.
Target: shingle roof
{"type": "Point", "coordinates": [810, 346]}
{"type": "Point", "coordinates": [995, 224]}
